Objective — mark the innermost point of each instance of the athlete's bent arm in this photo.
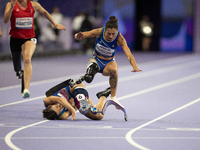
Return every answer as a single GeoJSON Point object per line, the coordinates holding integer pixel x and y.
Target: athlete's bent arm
{"type": "Point", "coordinates": [54, 99]}
{"type": "Point", "coordinates": [130, 57]}
{"type": "Point", "coordinates": [8, 10]}
{"type": "Point", "coordinates": [65, 115]}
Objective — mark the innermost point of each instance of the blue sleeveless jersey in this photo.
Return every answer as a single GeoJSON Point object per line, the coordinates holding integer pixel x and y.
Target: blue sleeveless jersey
{"type": "Point", "coordinates": [64, 92]}
{"type": "Point", "coordinates": [104, 48]}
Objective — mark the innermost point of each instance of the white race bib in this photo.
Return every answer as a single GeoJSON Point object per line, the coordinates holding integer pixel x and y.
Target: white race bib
{"type": "Point", "coordinates": [104, 50]}
{"type": "Point", "coordinates": [24, 23]}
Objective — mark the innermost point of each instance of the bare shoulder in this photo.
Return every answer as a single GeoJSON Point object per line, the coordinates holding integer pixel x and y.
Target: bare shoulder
{"type": "Point", "coordinates": [121, 39]}
{"type": "Point", "coordinates": [35, 5]}
{"type": "Point", "coordinates": [8, 4]}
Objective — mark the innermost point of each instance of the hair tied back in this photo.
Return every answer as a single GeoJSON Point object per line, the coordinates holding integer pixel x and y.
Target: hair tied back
{"type": "Point", "coordinates": [113, 18]}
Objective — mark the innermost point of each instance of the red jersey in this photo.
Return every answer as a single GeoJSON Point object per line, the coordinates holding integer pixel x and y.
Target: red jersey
{"type": "Point", "coordinates": [22, 22]}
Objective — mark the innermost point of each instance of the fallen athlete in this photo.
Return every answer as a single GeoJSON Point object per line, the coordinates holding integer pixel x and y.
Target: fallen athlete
{"type": "Point", "coordinates": [64, 99]}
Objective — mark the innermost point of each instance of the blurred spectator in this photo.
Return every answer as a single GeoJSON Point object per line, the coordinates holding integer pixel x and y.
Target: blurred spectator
{"type": "Point", "coordinates": [57, 17]}
{"type": "Point", "coordinates": [0, 32]}
{"type": "Point", "coordinates": [146, 28]}
{"type": "Point", "coordinates": [48, 38]}
{"type": "Point", "coordinates": [77, 22]}
{"type": "Point", "coordinates": [87, 25]}
{"type": "Point", "coordinates": [76, 25]}
{"type": "Point", "coordinates": [48, 34]}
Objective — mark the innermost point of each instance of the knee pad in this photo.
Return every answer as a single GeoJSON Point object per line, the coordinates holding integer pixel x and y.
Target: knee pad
{"type": "Point", "coordinates": [92, 69]}
{"type": "Point", "coordinates": [81, 98]}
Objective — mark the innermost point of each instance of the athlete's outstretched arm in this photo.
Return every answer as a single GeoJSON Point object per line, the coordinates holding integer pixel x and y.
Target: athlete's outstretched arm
{"type": "Point", "coordinates": [130, 57]}
{"type": "Point", "coordinates": [8, 10]}
{"type": "Point", "coordinates": [88, 34]}
{"type": "Point", "coordinates": [41, 10]}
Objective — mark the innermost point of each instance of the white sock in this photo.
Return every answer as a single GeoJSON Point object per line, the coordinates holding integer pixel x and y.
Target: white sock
{"type": "Point", "coordinates": [113, 98]}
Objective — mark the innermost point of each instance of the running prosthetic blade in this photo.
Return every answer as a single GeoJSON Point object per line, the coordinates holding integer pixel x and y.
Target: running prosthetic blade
{"type": "Point", "coordinates": [116, 104]}
{"type": "Point", "coordinates": [22, 82]}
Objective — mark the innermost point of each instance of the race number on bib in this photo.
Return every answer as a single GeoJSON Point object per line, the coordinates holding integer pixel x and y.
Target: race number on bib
{"type": "Point", "coordinates": [24, 23]}
{"type": "Point", "coordinates": [105, 51]}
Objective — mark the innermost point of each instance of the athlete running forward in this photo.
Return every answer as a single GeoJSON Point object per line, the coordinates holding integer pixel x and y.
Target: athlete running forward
{"type": "Point", "coordinates": [22, 36]}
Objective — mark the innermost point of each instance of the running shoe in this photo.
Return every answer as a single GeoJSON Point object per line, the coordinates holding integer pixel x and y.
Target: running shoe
{"type": "Point", "coordinates": [26, 93]}
{"type": "Point", "coordinates": [105, 93]}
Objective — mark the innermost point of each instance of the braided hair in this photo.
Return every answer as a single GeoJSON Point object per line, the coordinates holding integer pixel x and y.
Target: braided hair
{"type": "Point", "coordinates": [49, 113]}
{"type": "Point", "coordinates": [112, 23]}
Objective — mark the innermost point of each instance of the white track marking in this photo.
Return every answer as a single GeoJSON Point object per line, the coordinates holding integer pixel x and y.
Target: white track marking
{"type": "Point", "coordinates": [150, 73]}
{"type": "Point", "coordinates": [129, 134]}
{"type": "Point", "coordinates": [110, 138]}
{"type": "Point", "coordinates": [9, 135]}
{"type": "Point", "coordinates": [42, 82]}
{"type": "Point", "coordinates": [162, 70]}
{"type": "Point", "coordinates": [22, 101]}
{"type": "Point", "coordinates": [184, 129]}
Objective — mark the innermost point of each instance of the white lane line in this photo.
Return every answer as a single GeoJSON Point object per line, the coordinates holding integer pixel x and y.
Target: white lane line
{"type": "Point", "coordinates": [110, 138]}
{"type": "Point", "coordinates": [143, 75]}
{"type": "Point", "coordinates": [169, 138]}
{"type": "Point", "coordinates": [9, 135]}
{"type": "Point", "coordinates": [22, 101]}
{"type": "Point", "coordinates": [183, 129]}
{"type": "Point", "coordinates": [171, 68]}
{"type": "Point", "coordinates": [181, 80]}
{"type": "Point", "coordinates": [42, 82]}
{"type": "Point", "coordinates": [129, 134]}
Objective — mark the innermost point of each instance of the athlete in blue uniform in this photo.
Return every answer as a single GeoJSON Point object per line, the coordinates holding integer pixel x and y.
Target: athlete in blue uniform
{"type": "Point", "coordinates": [103, 59]}
{"type": "Point", "coordinates": [65, 102]}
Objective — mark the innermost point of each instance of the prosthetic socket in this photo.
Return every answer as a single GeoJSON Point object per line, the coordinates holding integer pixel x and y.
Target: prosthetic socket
{"type": "Point", "coordinates": [92, 69]}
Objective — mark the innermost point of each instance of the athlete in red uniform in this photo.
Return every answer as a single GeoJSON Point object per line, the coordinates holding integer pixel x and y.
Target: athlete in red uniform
{"type": "Point", "coordinates": [22, 36]}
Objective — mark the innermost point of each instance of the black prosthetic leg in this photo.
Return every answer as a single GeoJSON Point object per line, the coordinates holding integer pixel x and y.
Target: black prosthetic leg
{"type": "Point", "coordinates": [16, 57]}
{"type": "Point", "coordinates": [92, 69]}
{"type": "Point", "coordinates": [22, 83]}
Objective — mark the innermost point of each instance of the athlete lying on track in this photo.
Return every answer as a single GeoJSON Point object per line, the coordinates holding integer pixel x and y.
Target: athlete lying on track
{"type": "Point", "coordinates": [64, 99]}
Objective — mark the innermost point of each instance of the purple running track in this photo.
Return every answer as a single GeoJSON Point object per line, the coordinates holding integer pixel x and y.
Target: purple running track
{"type": "Point", "coordinates": [162, 104]}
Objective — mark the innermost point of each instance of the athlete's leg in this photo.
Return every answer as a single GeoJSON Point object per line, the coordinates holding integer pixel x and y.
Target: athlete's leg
{"type": "Point", "coordinates": [28, 49]}
{"type": "Point", "coordinates": [92, 69]}
{"type": "Point", "coordinates": [99, 106]}
{"type": "Point", "coordinates": [111, 70]}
